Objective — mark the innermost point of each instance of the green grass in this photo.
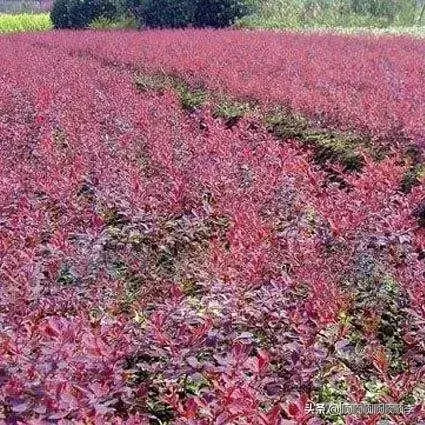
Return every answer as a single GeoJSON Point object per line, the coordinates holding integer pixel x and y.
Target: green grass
{"type": "Point", "coordinates": [24, 22]}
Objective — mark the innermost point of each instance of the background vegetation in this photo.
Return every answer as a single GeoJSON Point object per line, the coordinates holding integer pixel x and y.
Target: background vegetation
{"type": "Point", "coordinates": [336, 13]}
{"type": "Point", "coordinates": [148, 13]}
{"type": "Point", "coordinates": [79, 14]}
{"type": "Point", "coordinates": [247, 13]}
{"type": "Point", "coordinates": [379, 16]}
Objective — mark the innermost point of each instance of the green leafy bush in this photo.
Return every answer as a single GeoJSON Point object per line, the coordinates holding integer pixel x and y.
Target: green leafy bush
{"type": "Point", "coordinates": [149, 13]}
{"type": "Point", "coordinates": [219, 13]}
{"type": "Point", "coordinates": [80, 13]}
{"type": "Point", "coordinates": [60, 14]}
{"type": "Point", "coordinates": [166, 13]}
{"type": "Point", "coordinates": [184, 13]}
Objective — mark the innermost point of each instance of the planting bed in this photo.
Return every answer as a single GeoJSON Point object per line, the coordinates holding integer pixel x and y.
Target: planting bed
{"type": "Point", "coordinates": [210, 227]}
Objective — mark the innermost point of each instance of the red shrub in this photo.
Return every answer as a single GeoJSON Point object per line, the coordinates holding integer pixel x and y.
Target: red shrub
{"type": "Point", "coordinates": [159, 266]}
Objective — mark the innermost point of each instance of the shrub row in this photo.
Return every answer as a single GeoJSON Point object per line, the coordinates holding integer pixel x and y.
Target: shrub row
{"type": "Point", "coordinates": [158, 267]}
{"type": "Point", "coordinates": [370, 86]}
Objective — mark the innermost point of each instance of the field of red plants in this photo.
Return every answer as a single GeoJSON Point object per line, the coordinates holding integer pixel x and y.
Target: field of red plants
{"type": "Point", "coordinates": [211, 227]}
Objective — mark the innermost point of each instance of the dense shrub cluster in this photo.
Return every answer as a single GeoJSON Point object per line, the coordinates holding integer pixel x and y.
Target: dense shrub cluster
{"type": "Point", "coordinates": [220, 13]}
{"type": "Point", "coordinates": [160, 266]}
{"type": "Point", "coordinates": [150, 13]}
{"type": "Point", "coordinates": [166, 13]}
{"type": "Point", "coordinates": [196, 13]}
{"type": "Point", "coordinates": [80, 13]}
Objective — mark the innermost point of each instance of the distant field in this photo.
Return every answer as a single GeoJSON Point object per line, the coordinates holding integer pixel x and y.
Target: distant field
{"type": "Point", "coordinates": [24, 22]}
